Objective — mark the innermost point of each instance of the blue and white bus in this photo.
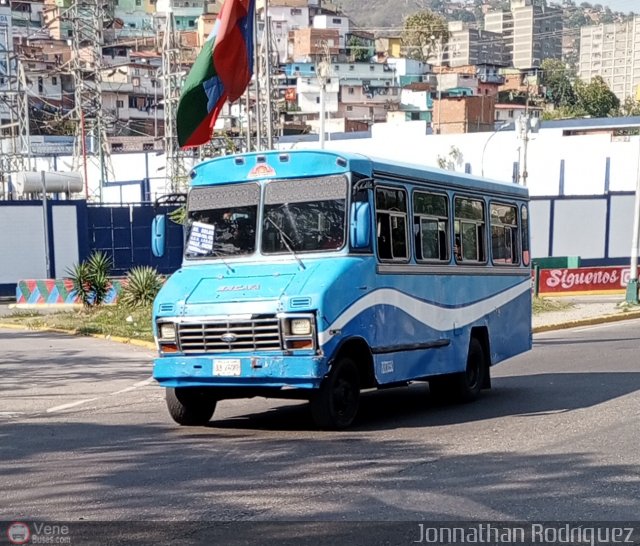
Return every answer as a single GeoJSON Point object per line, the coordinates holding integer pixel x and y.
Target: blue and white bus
{"type": "Point", "coordinates": [317, 274]}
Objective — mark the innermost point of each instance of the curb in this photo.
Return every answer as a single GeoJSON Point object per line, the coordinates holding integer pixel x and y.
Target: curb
{"type": "Point", "coordinates": [628, 315]}
{"type": "Point", "coordinates": [117, 339]}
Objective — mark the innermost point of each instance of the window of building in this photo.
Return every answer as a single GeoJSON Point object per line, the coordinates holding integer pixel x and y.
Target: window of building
{"type": "Point", "coordinates": [135, 81]}
{"type": "Point", "coordinates": [138, 2]}
{"type": "Point", "coordinates": [40, 85]}
{"type": "Point", "coordinates": [504, 234]}
{"type": "Point", "coordinates": [54, 80]}
{"type": "Point", "coordinates": [296, 11]}
{"type": "Point", "coordinates": [317, 100]}
{"type": "Point", "coordinates": [431, 226]}
{"type": "Point", "coordinates": [349, 108]}
{"type": "Point", "coordinates": [469, 222]}
{"type": "Point", "coordinates": [119, 104]}
{"type": "Point", "coordinates": [351, 67]}
{"type": "Point", "coordinates": [336, 21]}
{"type": "Point", "coordinates": [391, 222]}
{"type": "Point", "coordinates": [351, 91]}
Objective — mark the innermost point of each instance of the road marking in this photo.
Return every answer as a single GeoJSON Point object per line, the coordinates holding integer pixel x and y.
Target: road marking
{"type": "Point", "coordinates": [144, 383]}
{"type": "Point", "coordinates": [70, 405]}
{"type": "Point", "coordinates": [11, 414]}
{"type": "Point", "coordinates": [135, 386]}
{"type": "Point", "coordinates": [147, 381]}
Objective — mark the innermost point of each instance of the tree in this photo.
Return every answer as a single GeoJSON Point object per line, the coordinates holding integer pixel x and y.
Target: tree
{"type": "Point", "coordinates": [630, 107]}
{"type": "Point", "coordinates": [359, 50]}
{"type": "Point", "coordinates": [596, 99]}
{"type": "Point", "coordinates": [557, 80]}
{"type": "Point", "coordinates": [424, 34]}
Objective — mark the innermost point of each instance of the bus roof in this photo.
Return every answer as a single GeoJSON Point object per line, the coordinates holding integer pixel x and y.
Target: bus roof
{"type": "Point", "coordinates": [308, 163]}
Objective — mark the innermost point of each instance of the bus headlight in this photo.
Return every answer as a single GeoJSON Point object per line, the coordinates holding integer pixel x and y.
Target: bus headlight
{"type": "Point", "coordinates": [300, 327]}
{"type": "Point", "coordinates": [167, 331]}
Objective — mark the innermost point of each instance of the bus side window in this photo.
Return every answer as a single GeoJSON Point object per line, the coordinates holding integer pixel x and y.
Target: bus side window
{"type": "Point", "coordinates": [470, 229]}
{"type": "Point", "coordinates": [384, 237]}
{"type": "Point", "coordinates": [391, 224]}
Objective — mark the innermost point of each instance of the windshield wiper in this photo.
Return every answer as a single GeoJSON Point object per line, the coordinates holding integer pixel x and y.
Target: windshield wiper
{"type": "Point", "coordinates": [283, 238]}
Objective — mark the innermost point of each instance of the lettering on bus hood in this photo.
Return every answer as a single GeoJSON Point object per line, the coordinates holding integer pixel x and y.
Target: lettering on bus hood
{"type": "Point", "coordinates": [239, 287]}
{"type": "Point", "coordinates": [216, 290]}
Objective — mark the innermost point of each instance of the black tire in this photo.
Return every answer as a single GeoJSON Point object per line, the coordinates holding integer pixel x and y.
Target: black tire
{"type": "Point", "coordinates": [190, 406]}
{"type": "Point", "coordinates": [336, 403]}
{"type": "Point", "coordinates": [465, 386]}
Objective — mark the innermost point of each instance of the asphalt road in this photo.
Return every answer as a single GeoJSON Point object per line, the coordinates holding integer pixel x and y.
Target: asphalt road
{"type": "Point", "coordinates": [84, 435]}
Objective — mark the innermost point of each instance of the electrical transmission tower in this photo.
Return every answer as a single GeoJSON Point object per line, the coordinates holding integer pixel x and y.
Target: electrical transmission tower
{"type": "Point", "coordinates": [173, 75]}
{"type": "Point", "coordinates": [267, 94]}
{"type": "Point", "coordinates": [15, 148]}
{"type": "Point", "coordinates": [87, 19]}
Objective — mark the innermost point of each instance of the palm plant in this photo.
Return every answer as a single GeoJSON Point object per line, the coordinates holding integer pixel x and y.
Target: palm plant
{"type": "Point", "coordinates": [140, 287]}
{"type": "Point", "coordinates": [90, 278]}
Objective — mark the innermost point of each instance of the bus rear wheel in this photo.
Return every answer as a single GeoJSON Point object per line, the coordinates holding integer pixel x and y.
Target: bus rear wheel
{"type": "Point", "coordinates": [190, 406]}
{"type": "Point", "coordinates": [336, 403]}
{"type": "Point", "coordinates": [464, 386]}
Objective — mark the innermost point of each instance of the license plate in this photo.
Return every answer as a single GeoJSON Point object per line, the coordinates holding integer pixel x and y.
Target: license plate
{"type": "Point", "coordinates": [226, 366]}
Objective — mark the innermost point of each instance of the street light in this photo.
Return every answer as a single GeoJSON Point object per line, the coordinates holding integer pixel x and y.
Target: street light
{"type": "Point", "coordinates": [525, 125]}
{"type": "Point", "coordinates": [484, 149]}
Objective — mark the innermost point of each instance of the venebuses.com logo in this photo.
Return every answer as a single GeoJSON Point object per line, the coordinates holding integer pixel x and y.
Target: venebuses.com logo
{"type": "Point", "coordinates": [18, 533]}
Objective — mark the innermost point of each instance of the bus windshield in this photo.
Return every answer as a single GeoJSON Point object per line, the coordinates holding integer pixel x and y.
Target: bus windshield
{"type": "Point", "coordinates": [306, 215]}
{"type": "Point", "coordinates": [221, 221]}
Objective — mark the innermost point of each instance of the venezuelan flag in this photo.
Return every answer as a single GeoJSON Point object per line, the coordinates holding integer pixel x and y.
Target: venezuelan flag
{"type": "Point", "coordinates": [221, 72]}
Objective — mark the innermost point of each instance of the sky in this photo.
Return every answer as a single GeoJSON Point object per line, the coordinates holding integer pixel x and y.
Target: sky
{"type": "Point", "coordinates": [618, 5]}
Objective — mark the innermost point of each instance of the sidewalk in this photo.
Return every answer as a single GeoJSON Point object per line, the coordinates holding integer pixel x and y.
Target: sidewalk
{"type": "Point", "coordinates": [585, 310]}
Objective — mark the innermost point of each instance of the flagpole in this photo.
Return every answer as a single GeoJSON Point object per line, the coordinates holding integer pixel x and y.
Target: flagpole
{"type": "Point", "coordinates": [247, 110]}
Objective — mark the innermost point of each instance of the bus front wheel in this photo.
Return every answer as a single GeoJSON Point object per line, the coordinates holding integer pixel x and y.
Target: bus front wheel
{"type": "Point", "coordinates": [190, 406]}
{"type": "Point", "coordinates": [335, 405]}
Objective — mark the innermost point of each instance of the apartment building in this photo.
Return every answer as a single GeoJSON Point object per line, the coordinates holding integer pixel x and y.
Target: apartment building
{"type": "Point", "coordinates": [308, 44]}
{"type": "Point", "coordinates": [135, 16]}
{"type": "Point", "coordinates": [613, 52]}
{"type": "Point", "coordinates": [185, 13]}
{"type": "Point", "coordinates": [472, 46]}
{"type": "Point", "coordinates": [532, 31]}
{"type": "Point", "coordinates": [286, 16]}
{"type": "Point", "coordinates": [132, 93]}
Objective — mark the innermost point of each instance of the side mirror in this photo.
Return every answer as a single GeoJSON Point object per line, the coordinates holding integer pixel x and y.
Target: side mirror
{"type": "Point", "coordinates": [360, 225]}
{"type": "Point", "coordinates": [158, 227]}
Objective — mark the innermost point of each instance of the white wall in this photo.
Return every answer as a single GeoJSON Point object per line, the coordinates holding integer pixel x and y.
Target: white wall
{"type": "Point", "coordinates": [22, 244]}
{"type": "Point", "coordinates": [585, 155]}
{"type": "Point", "coordinates": [65, 238]}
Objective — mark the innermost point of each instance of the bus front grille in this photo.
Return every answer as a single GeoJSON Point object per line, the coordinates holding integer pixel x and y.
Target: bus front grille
{"type": "Point", "coordinates": [256, 334]}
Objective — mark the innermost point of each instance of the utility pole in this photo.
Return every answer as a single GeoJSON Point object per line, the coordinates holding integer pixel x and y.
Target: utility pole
{"type": "Point", "coordinates": [632, 285]}
{"type": "Point", "coordinates": [323, 73]}
{"type": "Point", "coordinates": [173, 76]}
{"type": "Point", "coordinates": [525, 125]}
{"type": "Point", "coordinates": [87, 19]}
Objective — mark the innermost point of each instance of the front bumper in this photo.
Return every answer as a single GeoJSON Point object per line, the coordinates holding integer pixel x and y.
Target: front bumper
{"type": "Point", "coordinates": [272, 371]}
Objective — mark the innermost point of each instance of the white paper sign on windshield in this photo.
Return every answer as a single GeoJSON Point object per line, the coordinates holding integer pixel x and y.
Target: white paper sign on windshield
{"type": "Point", "coordinates": [201, 238]}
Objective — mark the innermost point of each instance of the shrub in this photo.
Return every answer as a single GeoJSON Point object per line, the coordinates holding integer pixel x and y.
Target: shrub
{"type": "Point", "coordinates": [140, 287]}
{"type": "Point", "coordinates": [90, 278]}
